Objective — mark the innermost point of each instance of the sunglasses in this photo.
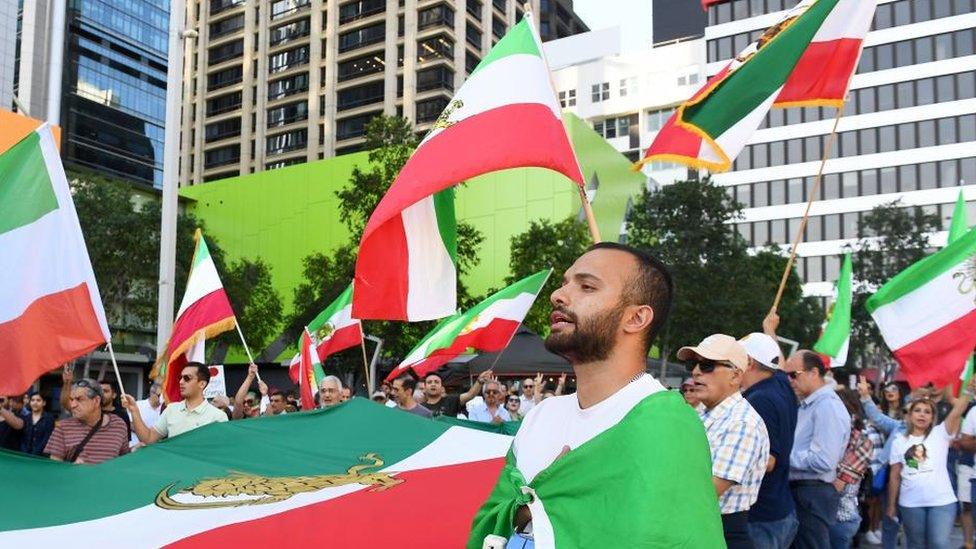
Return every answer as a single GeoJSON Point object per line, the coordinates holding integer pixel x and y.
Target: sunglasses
{"type": "Point", "coordinates": [513, 400]}
{"type": "Point", "coordinates": [186, 377]}
{"type": "Point", "coordinates": [492, 391]}
{"type": "Point", "coordinates": [528, 386]}
{"type": "Point", "coordinates": [706, 366]}
{"type": "Point", "coordinates": [796, 374]}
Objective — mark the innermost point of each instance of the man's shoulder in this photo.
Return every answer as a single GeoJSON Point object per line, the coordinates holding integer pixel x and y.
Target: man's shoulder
{"type": "Point", "coordinates": [115, 422]}
{"type": "Point", "coordinates": [212, 412]}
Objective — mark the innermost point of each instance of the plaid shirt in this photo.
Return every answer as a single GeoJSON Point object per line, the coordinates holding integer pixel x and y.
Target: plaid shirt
{"type": "Point", "coordinates": [877, 442]}
{"type": "Point", "coordinates": [857, 456]}
{"type": "Point", "coordinates": [740, 450]}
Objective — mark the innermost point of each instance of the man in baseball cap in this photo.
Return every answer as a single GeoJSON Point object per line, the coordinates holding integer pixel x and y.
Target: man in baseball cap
{"type": "Point", "coordinates": [772, 519]}
{"type": "Point", "coordinates": [736, 434]}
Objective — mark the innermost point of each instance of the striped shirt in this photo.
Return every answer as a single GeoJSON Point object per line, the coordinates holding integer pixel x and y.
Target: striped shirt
{"type": "Point", "coordinates": [740, 450]}
{"type": "Point", "coordinates": [111, 440]}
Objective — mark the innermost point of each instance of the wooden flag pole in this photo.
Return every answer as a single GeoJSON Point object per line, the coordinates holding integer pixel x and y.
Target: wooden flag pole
{"type": "Point", "coordinates": [250, 359]}
{"type": "Point", "coordinates": [362, 347]}
{"type": "Point", "coordinates": [115, 366]}
{"type": "Point", "coordinates": [806, 213]}
{"type": "Point", "coordinates": [590, 218]}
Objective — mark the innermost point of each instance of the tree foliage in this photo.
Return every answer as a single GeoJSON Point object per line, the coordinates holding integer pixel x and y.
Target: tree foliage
{"type": "Point", "coordinates": [720, 287]}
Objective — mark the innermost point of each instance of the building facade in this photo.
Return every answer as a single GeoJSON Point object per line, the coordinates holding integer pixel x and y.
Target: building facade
{"type": "Point", "coordinates": [281, 82]}
{"type": "Point", "coordinates": [908, 131]}
{"type": "Point", "coordinates": [113, 87]}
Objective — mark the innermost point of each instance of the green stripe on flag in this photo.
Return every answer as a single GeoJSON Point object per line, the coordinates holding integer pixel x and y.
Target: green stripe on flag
{"type": "Point", "coordinates": [26, 192]}
{"type": "Point", "coordinates": [759, 77]}
{"type": "Point", "coordinates": [924, 271]}
{"type": "Point", "coordinates": [959, 223]}
{"type": "Point", "coordinates": [447, 221]}
{"type": "Point", "coordinates": [340, 303]}
{"type": "Point", "coordinates": [838, 330]}
{"type": "Point", "coordinates": [203, 252]}
{"type": "Point", "coordinates": [519, 40]}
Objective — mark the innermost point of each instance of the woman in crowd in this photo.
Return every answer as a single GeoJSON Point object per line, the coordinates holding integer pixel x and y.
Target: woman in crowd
{"type": "Point", "coordinates": [37, 427]}
{"type": "Point", "coordinates": [512, 404]}
{"type": "Point", "coordinates": [891, 403]}
{"type": "Point", "coordinates": [919, 477]}
{"type": "Point", "coordinates": [850, 473]}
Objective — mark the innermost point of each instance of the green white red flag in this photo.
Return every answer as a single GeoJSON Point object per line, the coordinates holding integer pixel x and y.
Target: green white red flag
{"type": "Point", "coordinates": [50, 309]}
{"type": "Point", "coordinates": [310, 372]}
{"type": "Point", "coordinates": [805, 59]}
{"type": "Point", "coordinates": [957, 229]}
{"type": "Point", "coordinates": [927, 314]}
{"type": "Point", "coordinates": [506, 115]}
{"type": "Point", "coordinates": [332, 330]}
{"type": "Point", "coordinates": [835, 338]}
{"type": "Point", "coordinates": [204, 313]}
{"type": "Point", "coordinates": [267, 482]}
{"type": "Point", "coordinates": [488, 327]}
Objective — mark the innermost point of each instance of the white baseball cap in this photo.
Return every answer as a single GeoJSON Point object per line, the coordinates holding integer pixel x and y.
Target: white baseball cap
{"type": "Point", "coordinates": [763, 349]}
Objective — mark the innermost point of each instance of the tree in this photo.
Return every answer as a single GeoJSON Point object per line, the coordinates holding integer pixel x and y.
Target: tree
{"type": "Point", "coordinates": [256, 303]}
{"type": "Point", "coordinates": [893, 237]}
{"type": "Point", "coordinates": [720, 287]}
{"type": "Point", "coordinates": [543, 245]}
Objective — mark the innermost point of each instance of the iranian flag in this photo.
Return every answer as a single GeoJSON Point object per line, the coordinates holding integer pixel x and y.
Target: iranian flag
{"type": "Point", "coordinates": [957, 229]}
{"type": "Point", "coordinates": [835, 339]}
{"type": "Point", "coordinates": [504, 116]}
{"type": "Point", "coordinates": [267, 481]}
{"type": "Point", "coordinates": [204, 313]}
{"type": "Point", "coordinates": [488, 326]}
{"type": "Point", "coordinates": [333, 330]}
{"type": "Point", "coordinates": [805, 59]}
{"type": "Point", "coordinates": [927, 314]}
{"type": "Point", "coordinates": [50, 310]}
{"type": "Point", "coordinates": [310, 371]}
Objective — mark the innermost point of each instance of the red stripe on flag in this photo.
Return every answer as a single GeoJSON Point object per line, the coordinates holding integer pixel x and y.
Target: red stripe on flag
{"type": "Point", "coordinates": [52, 330]}
{"type": "Point", "coordinates": [207, 310]}
{"type": "Point", "coordinates": [380, 286]}
{"type": "Point", "coordinates": [374, 519]}
{"type": "Point", "coordinates": [341, 339]}
{"type": "Point", "coordinates": [940, 356]}
{"type": "Point", "coordinates": [822, 72]}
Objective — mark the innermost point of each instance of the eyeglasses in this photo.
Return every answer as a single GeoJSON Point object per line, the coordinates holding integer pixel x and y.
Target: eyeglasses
{"type": "Point", "coordinates": [513, 400]}
{"type": "Point", "coordinates": [186, 377]}
{"type": "Point", "coordinates": [528, 386]}
{"type": "Point", "coordinates": [492, 391]}
{"type": "Point", "coordinates": [706, 366]}
{"type": "Point", "coordinates": [796, 374]}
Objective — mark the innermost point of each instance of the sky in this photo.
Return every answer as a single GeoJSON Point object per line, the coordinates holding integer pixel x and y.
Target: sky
{"type": "Point", "coordinates": [632, 16]}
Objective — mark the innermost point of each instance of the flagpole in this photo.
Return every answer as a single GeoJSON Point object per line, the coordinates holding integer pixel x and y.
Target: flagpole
{"type": "Point", "coordinates": [362, 346]}
{"type": "Point", "coordinates": [115, 366]}
{"type": "Point", "coordinates": [250, 359]}
{"type": "Point", "coordinates": [806, 213]}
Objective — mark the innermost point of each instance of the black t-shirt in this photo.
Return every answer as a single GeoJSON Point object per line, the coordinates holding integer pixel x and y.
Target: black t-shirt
{"type": "Point", "coordinates": [448, 405]}
{"type": "Point", "coordinates": [124, 415]}
{"type": "Point", "coordinates": [9, 437]}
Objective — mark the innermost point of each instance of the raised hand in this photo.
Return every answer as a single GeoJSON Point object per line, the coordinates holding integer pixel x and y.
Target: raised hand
{"type": "Point", "coordinates": [862, 387]}
{"type": "Point", "coordinates": [263, 387]}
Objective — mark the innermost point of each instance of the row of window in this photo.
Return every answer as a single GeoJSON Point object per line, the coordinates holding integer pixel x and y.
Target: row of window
{"type": "Point", "coordinates": [894, 137]}
{"type": "Point", "coordinates": [919, 50]}
{"type": "Point", "coordinates": [287, 114]}
{"type": "Point", "coordinates": [226, 26]}
{"type": "Point", "coordinates": [361, 66]}
{"type": "Point", "coordinates": [359, 9]}
{"type": "Point", "coordinates": [285, 8]}
{"type": "Point", "coordinates": [287, 141]}
{"type": "Point", "coordinates": [361, 37]}
{"type": "Point", "coordinates": [435, 16]}
{"type": "Point", "coordinates": [902, 12]}
{"type": "Point", "coordinates": [888, 180]}
{"type": "Point", "coordinates": [288, 32]}
{"type": "Point", "coordinates": [357, 96]}
{"type": "Point", "coordinates": [627, 86]}
{"type": "Point", "coordinates": [217, 6]}
{"type": "Point", "coordinates": [616, 127]}
{"type": "Point", "coordinates": [290, 85]}
{"type": "Point", "coordinates": [223, 52]}
{"type": "Point", "coordinates": [288, 59]}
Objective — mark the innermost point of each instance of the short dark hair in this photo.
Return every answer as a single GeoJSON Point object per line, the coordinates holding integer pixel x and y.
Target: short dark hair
{"type": "Point", "coordinates": [434, 374]}
{"type": "Point", "coordinates": [276, 392]}
{"type": "Point", "coordinates": [203, 372]}
{"type": "Point", "coordinates": [652, 285]}
{"type": "Point", "coordinates": [111, 383]}
{"type": "Point", "coordinates": [812, 361]}
{"type": "Point", "coordinates": [408, 382]}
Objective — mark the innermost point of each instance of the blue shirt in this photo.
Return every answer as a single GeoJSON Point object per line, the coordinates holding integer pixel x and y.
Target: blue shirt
{"type": "Point", "coordinates": [774, 401]}
{"type": "Point", "coordinates": [887, 425]}
{"type": "Point", "coordinates": [823, 428]}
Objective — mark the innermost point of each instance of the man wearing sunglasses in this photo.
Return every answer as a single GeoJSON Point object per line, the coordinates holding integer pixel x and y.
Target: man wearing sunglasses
{"type": "Point", "coordinates": [736, 434]}
{"type": "Point", "coordinates": [179, 417]}
{"type": "Point", "coordinates": [823, 428]}
{"type": "Point", "coordinates": [492, 410]}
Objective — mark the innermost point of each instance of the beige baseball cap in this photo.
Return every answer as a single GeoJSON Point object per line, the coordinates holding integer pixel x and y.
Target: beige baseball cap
{"type": "Point", "coordinates": [718, 347]}
{"type": "Point", "coordinates": [763, 349]}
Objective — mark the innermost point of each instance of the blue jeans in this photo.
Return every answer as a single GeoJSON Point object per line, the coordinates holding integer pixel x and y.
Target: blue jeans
{"type": "Point", "coordinates": [816, 509]}
{"type": "Point", "coordinates": [843, 532]}
{"type": "Point", "coordinates": [774, 534]}
{"type": "Point", "coordinates": [928, 527]}
{"type": "Point", "coordinates": [889, 526]}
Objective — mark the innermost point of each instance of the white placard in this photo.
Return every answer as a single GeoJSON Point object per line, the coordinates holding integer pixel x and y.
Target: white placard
{"type": "Point", "coordinates": [218, 383]}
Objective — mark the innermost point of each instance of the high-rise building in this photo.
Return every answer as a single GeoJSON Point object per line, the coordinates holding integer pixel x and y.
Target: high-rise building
{"type": "Point", "coordinates": [279, 82]}
{"type": "Point", "coordinates": [677, 20]}
{"type": "Point", "coordinates": [8, 50]}
{"type": "Point", "coordinates": [113, 85]}
{"type": "Point", "coordinates": [908, 130]}
{"type": "Point", "coordinates": [558, 20]}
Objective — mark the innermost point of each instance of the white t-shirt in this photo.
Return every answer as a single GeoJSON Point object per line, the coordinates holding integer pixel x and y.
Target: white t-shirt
{"type": "Point", "coordinates": [525, 404]}
{"type": "Point", "coordinates": [149, 416]}
{"type": "Point", "coordinates": [559, 421]}
{"type": "Point", "coordinates": [969, 423]}
{"type": "Point", "coordinates": [924, 475]}
{"type": "Point", "coordinates": [483, 414]}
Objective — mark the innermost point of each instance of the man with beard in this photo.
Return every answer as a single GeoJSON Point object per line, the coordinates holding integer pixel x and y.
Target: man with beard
{"type": "Point", "coordinates": [622, 462]}
{"type": "Point", "coordinates": [441, 404]}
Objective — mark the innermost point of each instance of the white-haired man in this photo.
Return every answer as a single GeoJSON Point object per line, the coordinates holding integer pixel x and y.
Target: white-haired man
{"type": "Point", "coordinates": [330, 391]}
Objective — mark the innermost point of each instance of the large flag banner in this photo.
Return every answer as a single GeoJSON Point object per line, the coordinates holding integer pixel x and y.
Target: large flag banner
{"type": "Point", "coordinates": [333, 330]}
{"type": "Point", "coordinates": [957, 229]}
{"type": "Point", "coordinates": [204, 313]}
{"type": "Point", "coordinates": [310, 371]}
{"type": "Point", "coordinates": [805, 59]}
{"type": "Point", "coordinates": [50, 309]}
{"type": "Point", "coordinates": [927, 314]}
{"type": "Point", "coordinates": [506, 115]}
{"type": "Point", "coordinates": [267, 481]}
{"type": "Point", "coordinates": [835, 339]}
{"type": "Point", "coordinates": [487, 327]}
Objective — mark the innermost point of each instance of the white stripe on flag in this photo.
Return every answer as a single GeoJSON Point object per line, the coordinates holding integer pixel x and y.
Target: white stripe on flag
{"type": "Point", "coordinates": [923, 311]}
{"type": "Point", "coordinates": [431, 273]}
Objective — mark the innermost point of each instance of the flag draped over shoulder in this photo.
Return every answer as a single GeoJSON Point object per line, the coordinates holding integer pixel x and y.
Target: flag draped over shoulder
{"type": "Point", "coordinates": [310, 371]}
{"type": "Point", "coordinates": [927, 314]}
{"type": "Point", "coordinates": [504, 116]}
{"type": "Point", "coordinates": [50, 309]}
{"type": "Point", "coordinates": [332, 330]}
{"type": "Point", "coordinates": [488, 327]}
{"type": "Point", "coordinates": [268, 479]}
{"type": "Point", "coordinates": [835, 340]}
{"type": "Point", "coordinates": [204, 313]}
{"type": "Point", "coordinates": [806, 59]}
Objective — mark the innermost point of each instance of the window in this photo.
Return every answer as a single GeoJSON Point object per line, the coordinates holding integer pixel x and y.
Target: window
{"type": "Point", "coordinates": [288, 141]}
{"type": "Point", "coordinates": [657, 119]}
{"type": "Point", "coordinates": [287, 86]}
{"type": "Point", "coordinates": [470, 62]}
{"type": "Point", "coordinates": [437, 15]}
{"type": "Point", "coordinates": [217, 6]}
{"type": "Point", "coordinates": [283, 163]}
{"type": "Point", "coordinates": [435, 78]}
{"type": "Point", "coordinates": [284, 8]}
{"type": "Point", "coordinates": [437, 47]}
{"type": "Point", "coordinates": [358, 96]}
{"type": "Point", "coordinates": [600, 92]}
{"type": "Point", "coordinates": [222, 156]}
{"type": "Point", "coordinates": [361, 66]}
{"type": "Point", "coordinates": [226, 26]}
{"type": "Point", "coordinates": [288, 59]}
{"type": "Point", "coordinates": [472, 35]}
{"type": "Point", "coordinates": [498, 27]}
{"type": "Point", "coordinates": [348, 128]}
{"type": "Point", "coordinates": [474, 8]}
{"type": "Point", "coordinates": [628, 86]}
{"type": "Point", "coordinates": [290, 31]}
{"type": "Point", "coordinates": [230, 50]}
{"type": "Point", "coordinates": [361, 37]}
{"type": "Point", "coordinates": [222, 129]}
{"type": "Point", "coordinates": [567, 98]}
{"type": "Point", "coordinates": [429, 109]}
{"type": "Point", "coordinates": [352, 11]}
{"type": "Point", "coordinates": [223, 103]}
{"type": "Point", "coordinates": [224, 78]}
{"type": "Point", "coordinates": [287, 114]}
